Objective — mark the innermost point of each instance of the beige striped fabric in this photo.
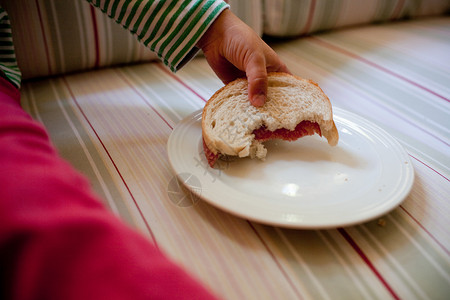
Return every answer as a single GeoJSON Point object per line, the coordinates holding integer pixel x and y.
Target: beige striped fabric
{"type": "Point", "coordinates": [54, 37]}
{"type": "Point", "coordinates": [299, 17]}
{"type": "Point", "coordinates": [71, 35]}
{"type": "Point", "coordinates": [113, 125]}
{"type": "Point", "coordinates": [251, 12]}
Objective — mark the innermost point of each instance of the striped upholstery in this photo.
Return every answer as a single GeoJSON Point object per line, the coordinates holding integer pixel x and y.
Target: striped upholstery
{"type": "Point", "coordinates": [113, 125]}
{"type": "Point", "coordinates": [68, 36]}
{"type": "Point", "coordinates": [71, 35]}
{"type": "Point", "coordinates": [298, 17]}
{"type": "Point", "coordinates": [249, 11]}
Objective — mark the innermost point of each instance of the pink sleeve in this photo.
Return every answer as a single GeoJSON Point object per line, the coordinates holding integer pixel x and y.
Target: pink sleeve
{"type": "Point", "coordinates": [57, 241]}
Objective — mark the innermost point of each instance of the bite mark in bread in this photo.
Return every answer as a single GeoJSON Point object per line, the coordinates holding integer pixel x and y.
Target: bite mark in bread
{"type": "Point", "coordinates": [305, 128]}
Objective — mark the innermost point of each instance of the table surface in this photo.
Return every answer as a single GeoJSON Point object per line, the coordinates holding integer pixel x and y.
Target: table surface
{"type": "Point", "coordinates": [114, 125]}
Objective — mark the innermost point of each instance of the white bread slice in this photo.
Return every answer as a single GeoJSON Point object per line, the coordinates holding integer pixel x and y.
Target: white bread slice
{"type": "Point", "coordinates": [228, 118]}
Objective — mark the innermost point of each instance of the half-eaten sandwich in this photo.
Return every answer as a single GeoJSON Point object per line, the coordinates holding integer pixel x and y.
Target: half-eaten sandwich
{"type": "Point", "coordinates": [294, 108]}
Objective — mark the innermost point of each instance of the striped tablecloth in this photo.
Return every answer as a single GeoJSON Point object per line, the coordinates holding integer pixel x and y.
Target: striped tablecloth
{"type": "Point", "coordinates": [113, 125]}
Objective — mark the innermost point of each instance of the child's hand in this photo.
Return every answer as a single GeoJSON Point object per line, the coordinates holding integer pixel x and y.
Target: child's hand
{"type": "Point", "coordinates": [234, 50]}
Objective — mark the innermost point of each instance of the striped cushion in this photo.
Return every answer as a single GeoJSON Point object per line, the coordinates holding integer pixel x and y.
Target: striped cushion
{"type": "Point", "coordinates": [249, 11]}
{"type": "Point", "coordinates": [70, 35]}
{"type": "Point", "coordinates": [54, 37]}
{"type": "Point", "coordinates": [62, 36]}
{"type": "Point", "coordinates": [298, 17]}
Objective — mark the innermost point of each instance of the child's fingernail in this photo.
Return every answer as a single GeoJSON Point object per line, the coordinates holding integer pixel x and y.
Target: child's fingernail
{"type": "Point", "coordinates": [258, 100]}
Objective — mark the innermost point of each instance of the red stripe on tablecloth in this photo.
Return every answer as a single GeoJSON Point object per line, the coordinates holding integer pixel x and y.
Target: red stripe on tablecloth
{"type": "Point", "coordinates": [49, 66]}
{"type": "Point", "coordinates": [143, 98]}
{"type": "Point", "coordinates": [417, 221]}
{"type": "Point", "coordinates": [96, 41]}
{"type": "Point", "coordinates": [372, 64]}
{"type": "Point", "coordinates": [308, 23]}
{"type": "Point", "coordinates": [443, 176]}
{"type": "Point", "coordinates": [400, 116]}
{"type": "Point", "coordinates": [275, 259]}
{"type": "Point", "coordinates": [367, 261]}
{"type": "Point", "coordinates": [426, 231]}
{"type": "Point", "coordinates": [72, 95]}
{"type": "Point", "coordinates": [180, 81]}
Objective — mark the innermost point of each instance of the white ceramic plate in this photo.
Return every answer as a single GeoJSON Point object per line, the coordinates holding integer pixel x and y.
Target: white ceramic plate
{"type": "Point", "coordinates": [301, 184]}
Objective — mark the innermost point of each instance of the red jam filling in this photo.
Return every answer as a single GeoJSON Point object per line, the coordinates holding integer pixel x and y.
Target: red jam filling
{"type": "Point", "coordinates": [210, 156]}
{"type": "Point", "coordinates": [262, 134]}
{"type": "Point", "coordinates": [304, 128]}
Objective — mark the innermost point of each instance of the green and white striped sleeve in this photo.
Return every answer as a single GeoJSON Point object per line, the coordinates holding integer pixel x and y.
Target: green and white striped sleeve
{"type": "Point", "coordinates": [169, 28]}
{"type": "Point", "coordinates": [8, 62]}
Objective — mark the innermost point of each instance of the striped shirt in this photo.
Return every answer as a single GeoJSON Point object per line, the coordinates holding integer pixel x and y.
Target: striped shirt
{"type": "Point", "coordinates": [171, 29]}
{"type": "Point", "coordinates": [8, 62]}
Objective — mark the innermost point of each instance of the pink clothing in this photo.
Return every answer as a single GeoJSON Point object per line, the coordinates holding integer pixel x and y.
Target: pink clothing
{"type": "Point", "coordinates": [57, 241]}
